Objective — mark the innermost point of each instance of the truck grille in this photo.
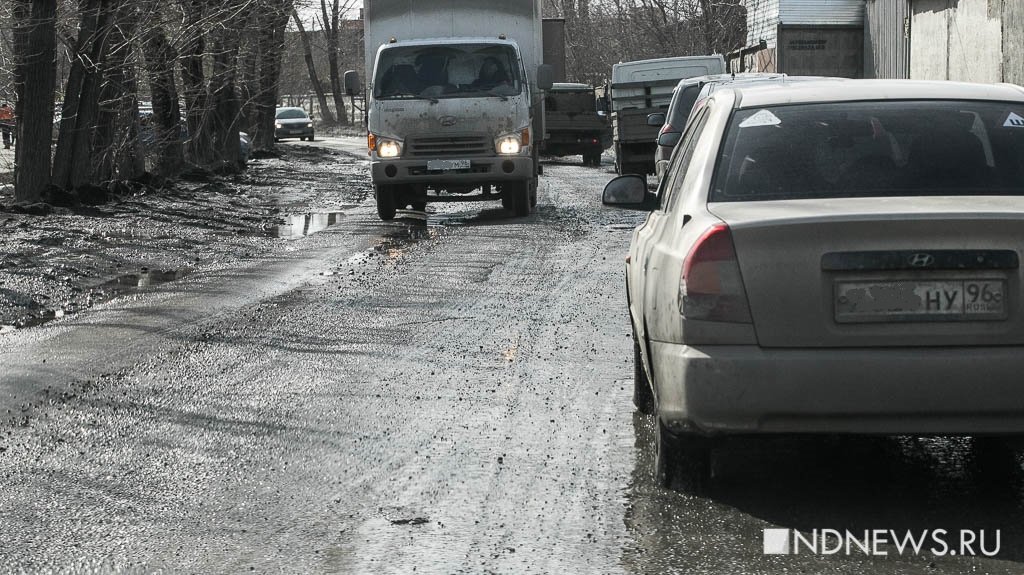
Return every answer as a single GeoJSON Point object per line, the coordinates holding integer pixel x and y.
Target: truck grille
{"type": "Point", "coordinates": [450, 146]}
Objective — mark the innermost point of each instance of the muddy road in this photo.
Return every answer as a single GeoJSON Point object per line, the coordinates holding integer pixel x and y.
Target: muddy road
{"type": "Point", "coordinates": [448, 393]}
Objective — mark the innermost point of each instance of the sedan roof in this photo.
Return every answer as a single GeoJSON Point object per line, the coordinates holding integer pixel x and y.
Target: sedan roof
{"type": "Point", "coordinates": [757, 95]}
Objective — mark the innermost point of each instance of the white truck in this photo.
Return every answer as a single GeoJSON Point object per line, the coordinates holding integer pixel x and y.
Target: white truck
{"type": "Point", "coordinates": [641, 88]}
{"type": "Point", "coordinates": [455, 110]}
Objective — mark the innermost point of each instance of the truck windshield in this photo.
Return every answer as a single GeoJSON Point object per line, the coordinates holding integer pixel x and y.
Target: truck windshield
{"type": "Point", "coordinates": [872, 149]}
{"type": "Point", "coordinates": [448, 71]}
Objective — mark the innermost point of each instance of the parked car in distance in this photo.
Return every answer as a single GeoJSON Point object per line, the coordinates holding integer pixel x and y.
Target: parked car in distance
{"type": "Point", "coordinates": [293, 123]}
{"type": "Point", "coordinates": [147, 136]}
{"type": "Point", "coordinates": [831, 257]}
{"type": "Point", "coordinates": [673, 121]}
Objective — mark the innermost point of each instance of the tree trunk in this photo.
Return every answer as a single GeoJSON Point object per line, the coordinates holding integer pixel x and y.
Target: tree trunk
{"type": "Point", "coordinates": [271, 49]}
{"type": "Point", "coordinates": [331, 33]}
{"type": "Point", "coordinates": [166, 120]}
{"type": "Point", "coordinates": [193, 80]}
{"type": "Point", "coordinates": [78, 113]}
{"type": "Point", "coordinates": [314, 78]}
{"type": "Point", "coordinates": [223, 96]}
{"type": "Point", "coordinates": [116, 139]}
{"type": "Point", "coordinates": [35, 78]}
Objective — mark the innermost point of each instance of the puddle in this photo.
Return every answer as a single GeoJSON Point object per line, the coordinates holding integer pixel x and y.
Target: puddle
{"type": "Point", "coordinates": [101, 293]}
{"type": "Point", "coordinates": [145, 278]}
{"type": "Point", "coordinates": [303, 225]}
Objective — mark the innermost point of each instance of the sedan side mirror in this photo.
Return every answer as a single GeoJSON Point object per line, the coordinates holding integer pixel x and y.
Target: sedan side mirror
{"type": "Point", "coordinates": [352, 84]}
{"type": "Point", "coordinates": [629, 192]}
{"type": "Point", "coordinates": [656, 119]}
{"type": "Point", "coordinates": [669, 139]}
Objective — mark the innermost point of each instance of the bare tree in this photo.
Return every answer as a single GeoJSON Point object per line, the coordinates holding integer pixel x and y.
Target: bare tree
{"type": "Point", "coordinates": [35, 50]}
{"type": "Point", "coordinates": [73, 160]}
{"type": "Point", "coordinates": [165, 122]}
{"type": "Point", "coordinates": [330, 23]}
{"type": "Point", "coordinates": [314, 78]}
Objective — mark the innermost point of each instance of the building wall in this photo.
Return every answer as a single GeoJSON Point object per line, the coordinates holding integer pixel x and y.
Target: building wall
{"type": "Point", "coordinates": [821, 51]}
{"type": "Point", "coordinates": [887, 39]}
{"type": "Point", "coordinates": [1013, 42]}
{"type": "Point", "coordinates": [821, 12]}
{"type": "Point", "coordinates": [762, 21]}
{"type": "Point", "coordinates": [817, 36]}
{"type": "Point", "coordinates": [958, 39]}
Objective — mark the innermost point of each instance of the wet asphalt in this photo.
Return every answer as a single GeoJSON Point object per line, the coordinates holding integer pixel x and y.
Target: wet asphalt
{"type": "Point", "coordinates": [448, 393]}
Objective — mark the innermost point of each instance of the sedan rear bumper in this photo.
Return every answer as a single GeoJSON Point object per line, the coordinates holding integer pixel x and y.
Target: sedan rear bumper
{"type": "Point", "coordinates": [913, 391]}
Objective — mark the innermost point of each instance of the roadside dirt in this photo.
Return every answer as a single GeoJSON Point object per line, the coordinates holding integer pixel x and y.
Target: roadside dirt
{"type": "Point", "coordinates": [71, 259]}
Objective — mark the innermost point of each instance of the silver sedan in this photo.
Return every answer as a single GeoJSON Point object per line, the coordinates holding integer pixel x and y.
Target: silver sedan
{"type": "Point", "coordinates": [832, 257]}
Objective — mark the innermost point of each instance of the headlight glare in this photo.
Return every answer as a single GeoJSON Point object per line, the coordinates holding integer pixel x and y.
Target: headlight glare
{"type": "Point", "coordinates": [509, 145]}
{"type": "Point", "coordinates": [389, 149]}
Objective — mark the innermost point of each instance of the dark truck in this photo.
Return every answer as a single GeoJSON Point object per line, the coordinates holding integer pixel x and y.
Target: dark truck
{"type": "Point", "coordinates": [645, 87]}
{"type": "Point", "coordinates": [573, 124]}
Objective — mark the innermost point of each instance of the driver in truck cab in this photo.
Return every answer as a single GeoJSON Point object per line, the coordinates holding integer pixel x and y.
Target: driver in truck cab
{"type": "Point", "coordinates": [430, 69]}
{"type": "Point", "coordinates": [492, 74]}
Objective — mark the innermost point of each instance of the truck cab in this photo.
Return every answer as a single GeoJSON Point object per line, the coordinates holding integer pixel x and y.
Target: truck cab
{"type": "Point", "coordinates": [645, 87]}
{"type": "Point", "coordinates": [573, 123]}
{"type": "Point", "coordinates": [453, 115]}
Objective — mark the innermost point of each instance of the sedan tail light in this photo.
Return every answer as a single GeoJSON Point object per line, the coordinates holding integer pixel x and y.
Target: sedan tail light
{"type": "Point", "coordinates": [711, 286]}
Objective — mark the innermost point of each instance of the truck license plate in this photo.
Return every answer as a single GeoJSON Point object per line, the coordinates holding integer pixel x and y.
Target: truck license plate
{"type": "Point", "coordinates": [909, 301]}
{"type": "Point", "coordinates": [445, 165]}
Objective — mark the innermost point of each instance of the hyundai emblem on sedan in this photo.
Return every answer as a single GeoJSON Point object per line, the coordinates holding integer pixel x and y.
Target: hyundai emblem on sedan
{"type": "Point", "coordinates": [922, 260]}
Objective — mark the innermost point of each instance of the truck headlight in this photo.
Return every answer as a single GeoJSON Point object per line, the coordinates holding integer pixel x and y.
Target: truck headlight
{"type": "Point", "coordinates": [389, 148]}
{"type": "Point", "coordinates": [512, 144]}
{"type": "Point", "coordinates": [509, 145]}
{"type": "Point", "coordinates": [309, 125]}
{"type": "Point", "coordinates": [278, 125]}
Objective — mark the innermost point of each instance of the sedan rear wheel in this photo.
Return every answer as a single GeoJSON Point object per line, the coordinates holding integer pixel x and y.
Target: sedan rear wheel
{"type": "Point", "coordinates": [643, 397]}
{"type": "Point", "coordinates": [682, 462]}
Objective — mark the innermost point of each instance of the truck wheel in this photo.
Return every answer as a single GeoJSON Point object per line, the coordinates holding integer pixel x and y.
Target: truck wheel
{"type": "Point", "coordinates": [385, 196]}
{"type": "Point", "coordinates": [533, 192]}
{"type": "Point", "coordinates": [643, 397]}
{"type": "Point", "coordinates": [507, 202]}
{"type": "Point", "coordinates": [681, 461]}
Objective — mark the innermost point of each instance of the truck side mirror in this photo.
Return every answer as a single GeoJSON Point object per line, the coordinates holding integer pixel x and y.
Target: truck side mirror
{"type": "Point", "coordinates": [545, 76]}
{"type": "Point", "coordinates": [352, 84]}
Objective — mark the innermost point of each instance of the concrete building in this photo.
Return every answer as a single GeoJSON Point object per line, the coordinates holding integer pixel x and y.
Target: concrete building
{"type": "Point", "coordinates": [803, 37]}
{"type": "Point", "coordinates": [967, 40]}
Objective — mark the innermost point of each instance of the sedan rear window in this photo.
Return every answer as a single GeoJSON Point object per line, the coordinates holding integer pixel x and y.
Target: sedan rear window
{"type": "Point", "coordinates": [856, 149]}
